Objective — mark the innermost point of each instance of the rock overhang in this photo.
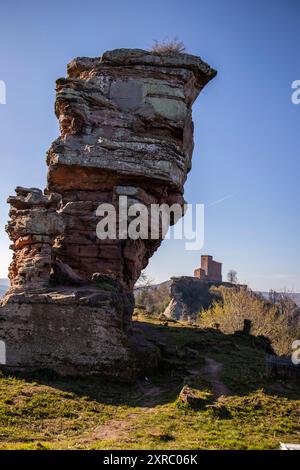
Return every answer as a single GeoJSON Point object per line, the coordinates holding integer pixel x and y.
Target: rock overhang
{"type": "Point", "coordinates": [123, 108]}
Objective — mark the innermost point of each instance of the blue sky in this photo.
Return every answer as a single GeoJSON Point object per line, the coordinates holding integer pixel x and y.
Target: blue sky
{"type": "Point", "coordinates": [246, 127]}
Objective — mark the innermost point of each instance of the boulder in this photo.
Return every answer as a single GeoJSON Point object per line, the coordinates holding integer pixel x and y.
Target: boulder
{"type": "Point", "coordinates": [193, 398]}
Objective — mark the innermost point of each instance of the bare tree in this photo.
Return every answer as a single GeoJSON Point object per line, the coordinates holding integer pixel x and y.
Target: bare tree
{"type": "Point", "coordinates": [144, 280]}
{"type": "Point", "coordinates": [232, 276]}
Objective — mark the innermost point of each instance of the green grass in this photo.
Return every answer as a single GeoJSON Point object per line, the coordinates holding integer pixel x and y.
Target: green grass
{"type": "Point", "coordinates": [49, 412]}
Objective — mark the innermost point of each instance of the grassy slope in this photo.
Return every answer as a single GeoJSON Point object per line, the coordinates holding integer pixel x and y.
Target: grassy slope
{"type": "Point", "coordinates": [90, 413]}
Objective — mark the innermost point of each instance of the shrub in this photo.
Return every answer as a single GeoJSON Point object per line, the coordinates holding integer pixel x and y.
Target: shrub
{"type": "Point", "coordinates": [168, 46]}
{"type": "Point", "coordinates": [280, 323]}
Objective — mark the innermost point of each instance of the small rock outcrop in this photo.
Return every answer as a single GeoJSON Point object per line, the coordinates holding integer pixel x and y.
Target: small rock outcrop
{"type": "Point", "coordinates": [193, 398]}
{"type": "Point", "coordinates": [126, 130]}
{"type": "Point", "coordinates": [188, 295]}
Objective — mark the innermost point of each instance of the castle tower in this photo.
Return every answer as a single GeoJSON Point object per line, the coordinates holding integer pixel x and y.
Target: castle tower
{"type": "Point", "coordinates": [210, 270]}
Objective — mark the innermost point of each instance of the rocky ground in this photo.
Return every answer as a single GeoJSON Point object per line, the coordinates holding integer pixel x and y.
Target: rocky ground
{"type": "Point", "coordinates": [228, 402]}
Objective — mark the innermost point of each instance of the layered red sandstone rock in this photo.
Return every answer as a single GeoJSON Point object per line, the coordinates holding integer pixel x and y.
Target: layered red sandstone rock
{"type": "Point", "coordinates": [126, 130]}
{"type": "Point", "coordinates": [34, 224]}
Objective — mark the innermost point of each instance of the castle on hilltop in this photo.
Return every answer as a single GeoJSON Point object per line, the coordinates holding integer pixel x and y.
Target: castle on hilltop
{"type": "Point", "coordinates": [210, 270]}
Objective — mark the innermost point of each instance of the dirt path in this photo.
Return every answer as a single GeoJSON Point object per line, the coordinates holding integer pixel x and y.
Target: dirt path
{"type": "Point", "coordinates": [117, 429]}
{"type": "Point", "coordinates": [212, 371]}
{"type": "Point", "coordinates": [149, 394]}
{"type": "Point", "coordinates": [114, 429]}
{"type": "Point", "coordinates": [149, 398]}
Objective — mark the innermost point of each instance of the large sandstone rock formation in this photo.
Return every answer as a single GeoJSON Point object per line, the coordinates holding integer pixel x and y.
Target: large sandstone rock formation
{"type": "Point", "coordinates": [126, 129]}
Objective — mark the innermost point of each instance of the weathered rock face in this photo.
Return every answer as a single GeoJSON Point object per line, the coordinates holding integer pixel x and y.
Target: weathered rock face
{"type": "Point", "coordinates": [73, 331]}
{"type": "Point", "coordinates": [34, 224]}
{"type": "Point", "coordinates": [188, 295]}
{"type": "Point", "coordinates": [126, 130]}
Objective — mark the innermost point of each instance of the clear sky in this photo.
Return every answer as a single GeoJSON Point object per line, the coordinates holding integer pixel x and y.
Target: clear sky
{"type": "Point", "coordinates": [246, 127]}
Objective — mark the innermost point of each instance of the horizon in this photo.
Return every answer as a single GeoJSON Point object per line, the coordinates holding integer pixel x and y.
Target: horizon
{"type": "Point", "coordinates": [245, 161]}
